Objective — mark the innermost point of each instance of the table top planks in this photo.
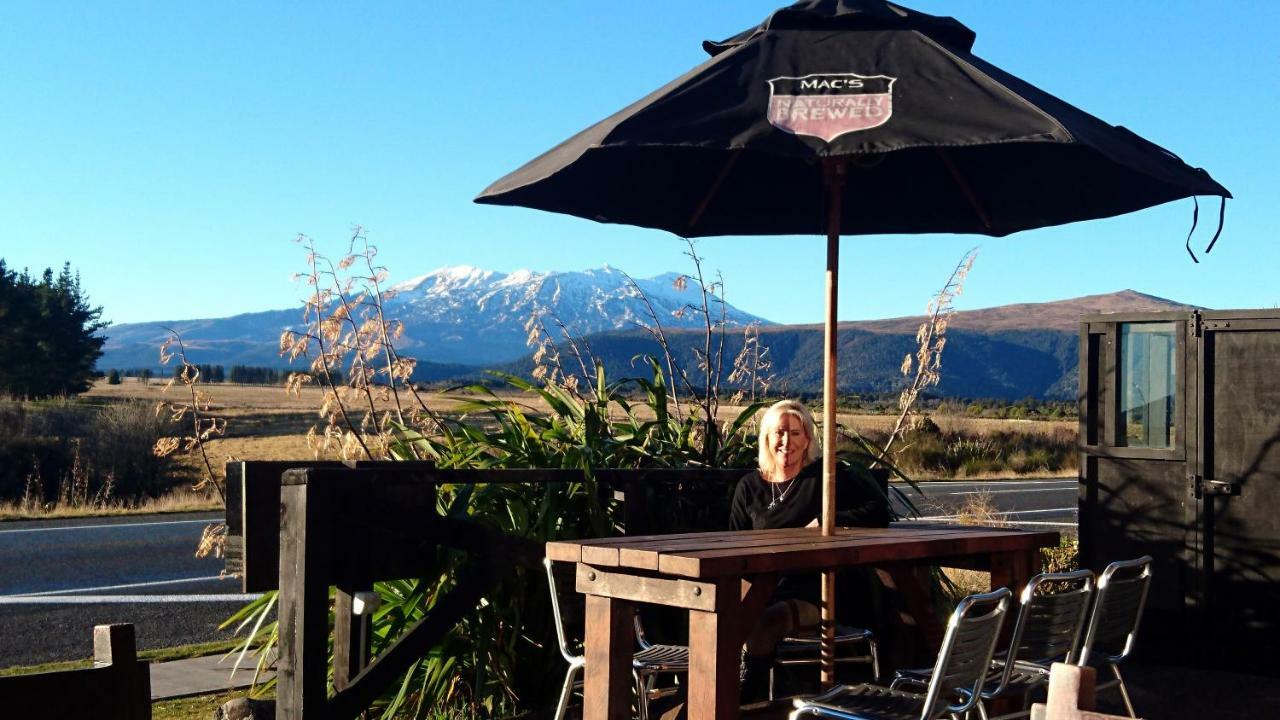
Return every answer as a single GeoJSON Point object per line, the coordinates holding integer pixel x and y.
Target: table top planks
{"type": "Point", "coordinates": [718, 554]}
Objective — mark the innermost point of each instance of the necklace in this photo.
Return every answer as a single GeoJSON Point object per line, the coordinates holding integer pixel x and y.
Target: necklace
{"type": "Point", "coordinates": [779, 497]}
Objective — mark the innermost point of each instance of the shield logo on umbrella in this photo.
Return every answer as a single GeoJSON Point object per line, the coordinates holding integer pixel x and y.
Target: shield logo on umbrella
{"type": "Point", "coordinates": [828, 105]}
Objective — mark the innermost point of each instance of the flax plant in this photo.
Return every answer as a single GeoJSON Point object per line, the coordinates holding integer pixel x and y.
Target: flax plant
{"type": "Point", "coordinates": [493, 662]}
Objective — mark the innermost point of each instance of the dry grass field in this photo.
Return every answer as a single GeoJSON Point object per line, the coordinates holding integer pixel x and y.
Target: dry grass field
{"type": "Point", "coordinates": [264, 422]}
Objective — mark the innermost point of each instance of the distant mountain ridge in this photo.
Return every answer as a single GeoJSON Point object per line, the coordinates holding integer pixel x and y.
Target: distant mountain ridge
{"type": "Point", "coordinates": [462, 319]}
{"type": "Point", "coordinates": [453, 315]}
{"type": "Point", "coordinates": [1008, 352]}
{"type": "Point", "coordinates": [1057, 315]}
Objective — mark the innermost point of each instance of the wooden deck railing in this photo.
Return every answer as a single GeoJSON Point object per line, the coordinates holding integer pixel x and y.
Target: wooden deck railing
{"type": "Point", "coordinates": [303, 527]}
{"type": "Point", "coordinates": [117, 687]}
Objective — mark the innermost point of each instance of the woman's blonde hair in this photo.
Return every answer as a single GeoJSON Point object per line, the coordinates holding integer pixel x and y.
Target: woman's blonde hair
{"type": "Point", "coordinates": [772, 418]}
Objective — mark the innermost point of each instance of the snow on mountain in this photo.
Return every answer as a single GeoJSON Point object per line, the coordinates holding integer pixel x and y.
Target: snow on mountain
{"type": "Point", "coordinates": [458, 314]}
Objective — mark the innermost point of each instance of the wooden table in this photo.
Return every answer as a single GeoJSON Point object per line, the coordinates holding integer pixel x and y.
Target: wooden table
{"type": "Point", "coordinates": [725, 579]}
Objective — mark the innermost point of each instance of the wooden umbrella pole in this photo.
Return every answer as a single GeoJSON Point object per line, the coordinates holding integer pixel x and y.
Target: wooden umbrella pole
{"type": "Point", "coordinates": [833, 178]}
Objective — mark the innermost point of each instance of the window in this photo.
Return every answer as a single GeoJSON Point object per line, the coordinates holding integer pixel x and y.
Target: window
{"type": "Point", "coordinates": [1148, 362]}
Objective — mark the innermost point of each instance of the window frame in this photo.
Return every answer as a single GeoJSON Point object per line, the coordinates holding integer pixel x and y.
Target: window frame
{"type": "Point", "coordinates": [1106, 397]}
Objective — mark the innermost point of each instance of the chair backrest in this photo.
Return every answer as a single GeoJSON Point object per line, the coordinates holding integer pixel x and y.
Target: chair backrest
{"type": "Point", "coordinates": [966, 652]}
{"type": "Point", "coordinates": [1052, 611]}
{"type": "Point", "coordinates": [1122, 594]}
{"type": "Point", "coordinates": [557, 578]}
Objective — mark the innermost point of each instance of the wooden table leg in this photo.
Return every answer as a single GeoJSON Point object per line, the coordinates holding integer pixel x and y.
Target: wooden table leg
{"type": "Point", "coordinates": [915, 630]}
{"type": "Point", "coordinates": [715, 655]}
{"type": "Point", "coordinates": [1014, 569]}
{"type": "Point", "coordinates": [609, 643]}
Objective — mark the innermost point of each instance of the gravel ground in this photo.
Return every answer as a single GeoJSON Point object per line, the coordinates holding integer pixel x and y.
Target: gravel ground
{"type": "Point", "coordinates": [47, 633]}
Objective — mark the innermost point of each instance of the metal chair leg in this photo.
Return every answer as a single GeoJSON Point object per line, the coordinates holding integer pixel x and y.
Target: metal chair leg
{"type": "Point", "coordinates": [1124, 691]}
{"type": "Point", "coordinates": [642, 696]}
{"type": "Point", "coordinates": [875, 659]}
{"type": "Point", "coordinates": [567, 691]}
{"type": "Point", "coordinates": [772, 669]}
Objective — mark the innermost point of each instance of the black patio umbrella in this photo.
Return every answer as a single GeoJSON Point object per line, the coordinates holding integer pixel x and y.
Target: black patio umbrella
{"type": "Point", "coordinates": [849, 117]}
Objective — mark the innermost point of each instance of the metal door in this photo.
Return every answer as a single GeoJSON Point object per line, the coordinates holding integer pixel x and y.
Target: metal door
{"type": "Point", "coordinates": [1237, 489]}
{"type": "Point", "coordinates": [1137, 400]}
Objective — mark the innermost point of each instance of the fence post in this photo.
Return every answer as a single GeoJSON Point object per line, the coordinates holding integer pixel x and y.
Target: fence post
{"type": "Point", "coordinates": [302, 667]}
{"type": "Point", "coordinates": [351, 636]}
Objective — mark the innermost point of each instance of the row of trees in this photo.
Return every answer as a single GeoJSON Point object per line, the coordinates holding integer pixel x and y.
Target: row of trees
{"type": "Point", "coordinates": [48, 344]}
{"type": "Point", "coordinates": [242, 374]}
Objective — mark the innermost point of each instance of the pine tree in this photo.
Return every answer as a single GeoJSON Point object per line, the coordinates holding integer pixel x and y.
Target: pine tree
{"type": "Point", "coordinates": [48, 344]}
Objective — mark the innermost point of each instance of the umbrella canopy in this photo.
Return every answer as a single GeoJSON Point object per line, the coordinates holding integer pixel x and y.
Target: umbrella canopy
{"type": "Point", "coordinates": [849, 117]}
{"type": "Point", "coordinates": [943, 141]}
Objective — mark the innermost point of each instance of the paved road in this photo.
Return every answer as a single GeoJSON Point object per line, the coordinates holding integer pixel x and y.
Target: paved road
{"type": "Point", "coordinates": [59, 578]}
{"type": "Point", "coordinates": [1048, 503]}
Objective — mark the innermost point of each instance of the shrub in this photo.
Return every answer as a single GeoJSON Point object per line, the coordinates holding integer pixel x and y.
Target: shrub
{"type": "Point", "coordinates": [928, 451]}
{"type": "Point", "coordinates": [75, 452]}
{"type": "Point", "coordinates": [120, 438]}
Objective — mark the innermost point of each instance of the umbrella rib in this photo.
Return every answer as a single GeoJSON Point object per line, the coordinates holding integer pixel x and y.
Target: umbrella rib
{"type": "Point", "coordinates": [965, 188]}
{"type": "Point", "coordinates": [714, 189]}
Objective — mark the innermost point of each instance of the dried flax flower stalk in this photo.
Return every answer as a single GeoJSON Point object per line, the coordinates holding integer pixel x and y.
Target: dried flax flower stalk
{"type": "Point", "coordinates": [751, 367]}
{"type": "Point", "coordinates": [923, 369]}
{"type": "Point", "coordinates": [197, 410]}
{"type": "Point", "coordinates": [351, 344]}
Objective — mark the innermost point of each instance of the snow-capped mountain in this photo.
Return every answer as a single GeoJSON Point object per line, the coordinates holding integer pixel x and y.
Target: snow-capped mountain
{"type": "Point", "coordinates": [475, 300]}
{"type": "Point", "coordinates": [456, 314]}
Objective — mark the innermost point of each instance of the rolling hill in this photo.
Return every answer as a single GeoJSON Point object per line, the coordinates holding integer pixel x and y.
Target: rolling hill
{"type": "Point", "coordinates": [461, 320]}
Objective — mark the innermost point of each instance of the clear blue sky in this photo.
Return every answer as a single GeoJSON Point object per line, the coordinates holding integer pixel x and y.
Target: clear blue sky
{"type": "Point", "coordinates": [171, 151]}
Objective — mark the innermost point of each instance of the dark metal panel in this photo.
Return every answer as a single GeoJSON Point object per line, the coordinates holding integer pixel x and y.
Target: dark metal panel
{"type": "Point", "coordinates": [1112, 318]}
{"type": "Point", "coordinates": [1193, 393]}
{"type": "Point", "coordinates": [1241, 492]}
{"type": "Point", "coordinates": [1140, 509]}
{"type": "Point", "coordinates": [1262, 314]}
{"type": "Point", "coordinates": [1110, 361]}
{"type": "Point", "coordinates": [1212, 522]}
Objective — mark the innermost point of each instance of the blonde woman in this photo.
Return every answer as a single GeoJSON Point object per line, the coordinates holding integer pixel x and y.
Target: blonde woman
{"type": "Point", "coordinates": [785, 491]}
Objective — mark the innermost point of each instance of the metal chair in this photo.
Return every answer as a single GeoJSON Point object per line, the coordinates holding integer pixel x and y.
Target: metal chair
{"type": "Point", "coordinates": [572, 656]}
{"type": "Point", "coordinates": [1122, 594]}
{"type": "Point", "coordinates": [650, 662]}
{"type": "Point", "coordinates": [807, 649]}
{"type": "Point", "coordinates": [1048, 630]}
{"type": "Point", "coordinates": [954, 686]}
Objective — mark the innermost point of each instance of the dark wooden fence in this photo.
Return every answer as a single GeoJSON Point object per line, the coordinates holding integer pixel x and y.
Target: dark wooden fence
{"type": "Point", "coordinates": [304, 527]}
{"type": "Point", "coordinates": [117, 687]}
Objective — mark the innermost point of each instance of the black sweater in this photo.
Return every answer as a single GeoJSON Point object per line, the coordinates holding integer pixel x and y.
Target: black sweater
{"type": "Point", "coordinates": [859, 503]}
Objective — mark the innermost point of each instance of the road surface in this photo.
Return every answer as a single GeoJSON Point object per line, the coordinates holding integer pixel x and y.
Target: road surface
{"type": "Point", "coordinates": [59, 578]}
{"type": "Point", "coordinates": [1046, 503]}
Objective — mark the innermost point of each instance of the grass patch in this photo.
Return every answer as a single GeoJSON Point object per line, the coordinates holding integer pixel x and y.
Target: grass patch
{"type": "Point", "coordinates": [195, 707]}
{"type": "Point", "coordinates": [980, 509]}
{"type": "Point", "coordinates": [176, 501]}
{"type": "Point", "coordinates": [155, 655]}
{"type": "Point", "coordinates": [182, 652]}
{"type": "Point", "coordinates": [45, 667]}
